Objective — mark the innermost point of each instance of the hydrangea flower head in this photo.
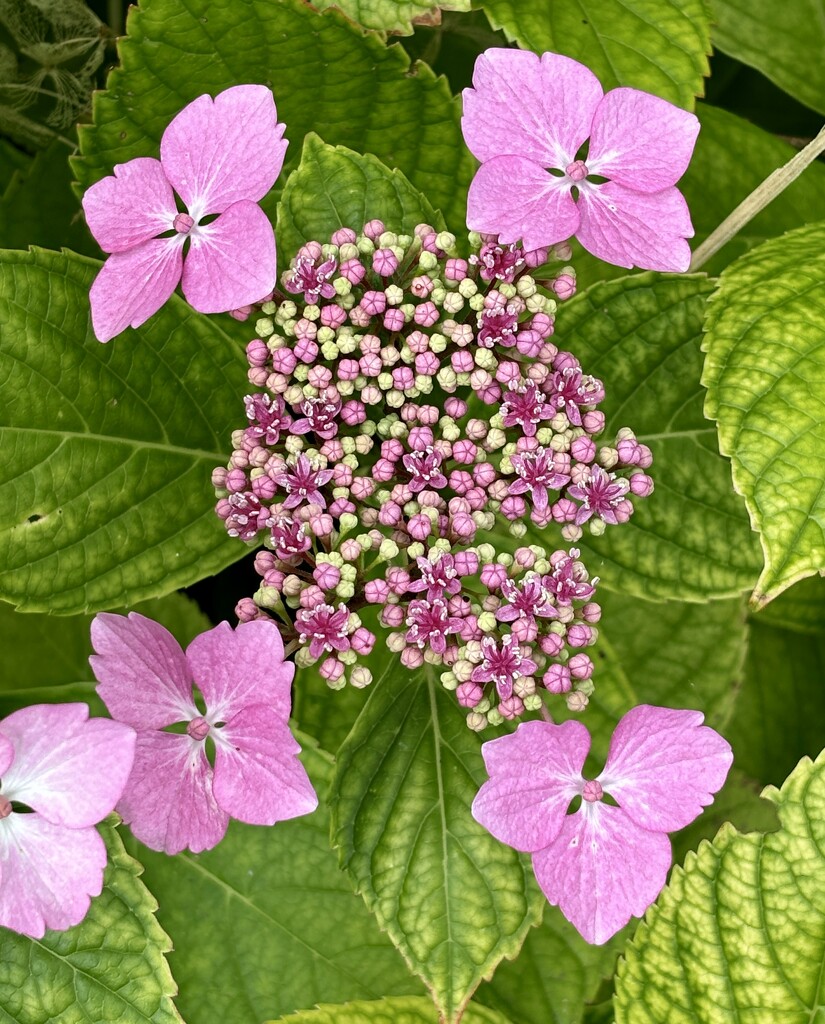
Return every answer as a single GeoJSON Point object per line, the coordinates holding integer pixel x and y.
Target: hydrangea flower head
{"type": "Point", "coordinates": [527, 119]}
{"type": "Point", "coordinates": [174, 798]}
{"type": "Point", "coordinates": [60, 774]}
{"type": "Point", "coordinates": [602, 864]}
{"type": "Point", "coordinates": [221, 156]}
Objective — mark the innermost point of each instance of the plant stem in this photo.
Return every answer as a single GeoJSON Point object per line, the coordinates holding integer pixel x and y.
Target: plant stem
{"type": "Point", "coordinates": [763, 194]}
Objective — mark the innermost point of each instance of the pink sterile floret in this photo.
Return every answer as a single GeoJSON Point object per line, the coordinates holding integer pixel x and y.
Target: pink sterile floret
{"type": "Point", "coordinates": [527, 116]}
{"type": "Point", "coordinates": [221, 156]}
{"type": "Point", "coordinates": [68, 771]}
{"type": "Point", "coordinates": [603, 864]}
{"type": "Point", "coordinates": [175, 799]}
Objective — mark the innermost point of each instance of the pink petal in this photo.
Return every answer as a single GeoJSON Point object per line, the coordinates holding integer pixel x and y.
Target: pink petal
{"type": "Point", "coordinates": [133, 285]}
{"type": "Point", "coordinates": [49, 873]}
{"type": "Point", "coordinates": [664, 766]}
{"type": "Point", "coordinates": [6, 753]}
{"type": "Point", "coordinates": [517, 199]}
{"type": "Point", "coordinates": [258, 777]}
{"type": "Point", "coordinates": [130, 207]}
{"type": "Point", "coordinates": [236, 668]}
{"type": "Point", "coordinates": [641, 141]}
{"type": "Point", "coordinates": [67, 767]}
{"type": "Point", "coordinates": [168, 802]}
{"type": "Point", "coordinates": [523, 105]}
{"type": "Point", "coordinates": [143, 677]}
{"type": "Point", "coordinates": [534, 774]}
{"type": "Point", "coordinates": [231, 262]}
{"type": "Point", "coordinates": [216, 153]}
{"type": "Point", "coordinates": [602, 870]}
{"type": "Point", "coordinates": [632, 229]}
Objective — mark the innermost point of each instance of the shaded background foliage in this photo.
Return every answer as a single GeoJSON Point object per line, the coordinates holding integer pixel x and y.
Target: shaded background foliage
{"type": "Point", "coordinates": [83, 521]}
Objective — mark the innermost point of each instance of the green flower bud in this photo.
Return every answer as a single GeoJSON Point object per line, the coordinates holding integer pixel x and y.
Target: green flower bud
{"type": "Point", "coordinates": [264, 327]}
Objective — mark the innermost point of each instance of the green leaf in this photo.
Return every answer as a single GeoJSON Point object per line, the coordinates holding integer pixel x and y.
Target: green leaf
{"type": "Point", "coordinates": [266, 923]}
{"type": "Point", "coordinates": [764, 343]}
{"type": "Point", "coordinates": [660, 46]}
{"type": "Point", "coordinates": [738, 933]}
{"type": "Point", "coordinates": [452, 898]}
{"type": "Point", "coordinates": [45, 659]}
{"type": "Point", "coordinates": [393, 15]}
{"type": "Point", "coordinates": [334, 187]}
{"type": "Point", "coordinates": [108, 450]}
{"type": "Point", "coordinates": [327, 77]}
{"type": "Point", "coordinates": [690, 539]}
{"type": "Point", "coordinates": [554, 976]}
{"type": "Point", "coordinates": [786, 46]}
{"type": "Point", "coordinates": [800, 608]}
{"type": "Point", "coordinates": [110, 967]}
{"type": "Point", "coordinates": [39, 206]}
{"type": "Point", "coordinates": [780, 714]}
{"type": "Point", "coordinates": [409, 1010]}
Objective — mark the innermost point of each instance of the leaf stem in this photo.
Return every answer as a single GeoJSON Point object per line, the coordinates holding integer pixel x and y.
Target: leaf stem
{"type": "Point", "coordinates": [763, 194]}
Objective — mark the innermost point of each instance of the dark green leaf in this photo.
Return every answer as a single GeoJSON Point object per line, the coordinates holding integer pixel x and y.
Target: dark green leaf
{"type": "Point", "coordinates": [266, 923]}
{"type": "Point", "coordinates": [453, 899]}
{"type": "Point", "coordinates": [107, 497]}
{"type": "Point", "coordinates": [333, 187]}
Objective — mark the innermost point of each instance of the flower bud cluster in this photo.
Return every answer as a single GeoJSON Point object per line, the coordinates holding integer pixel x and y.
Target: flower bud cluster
{"type": "Point", "coordinates": [407, 403]}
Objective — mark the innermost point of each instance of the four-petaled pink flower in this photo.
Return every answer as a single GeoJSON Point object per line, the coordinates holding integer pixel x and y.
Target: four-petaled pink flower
{"type": "Point", "coordinates": [527, 119]}
{"type": "Point", "coordinates": [603, 864]}
{"type": "Point", "coordinates": [68, 771]}
{"type": "Point", "coordinates": [221, 156]}
{"type": "Point", "coordinates": [430, 623]}
{"type": "Point", "coordinates": [174, 799]}
{"type": "Point", "coordinates": [424, 467]}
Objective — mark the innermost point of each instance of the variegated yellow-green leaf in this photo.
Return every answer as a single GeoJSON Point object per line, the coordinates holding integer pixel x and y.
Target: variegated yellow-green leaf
{"type": "Point", "coordinates": [739, 932]}
{"type": "Point", "coordinates": [764, 369]}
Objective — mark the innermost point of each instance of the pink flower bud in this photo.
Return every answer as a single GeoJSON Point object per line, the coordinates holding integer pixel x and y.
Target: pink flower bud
{"type": "Point", "coordinates": [583, 449]}
{"type": "Point", "coordinates": [236, 480]}
{"type": "Point", "coordinates": [247, 610]}
{"type": "Point", "coordinates": [374, 229]}
{"type": "Point", "coordinates": [466, 563]}
{"type": "Point", "coordinates": [374, 303]}
{"type": "Point", "coordinates": [344, 236]}
{"type": "Point", "coordinates": [552, 644]}
{"type": "Point", "coordinates": [350, 550]}
{"type": "Point", "coordinates": [421, 286]}
{"type": "Point", "coordinates": [593, 422]}
{"type": "Point", "coordinates": [565, 286]}
{"type": "Point", "coordinates": [426, 314]}
{"type": "Point", "coordinates": [581, 667]}
{"type": "Point", "coordinates": [463, 527]}
{"type": "Point", "coordinates": [456, 270]}
{"type": "Point", "coordinates": [376, 591]}
{"type": "Point", "coordinates": [331, 669]}
{"type": "Point", "coordinates": [333, 316]}
{"type": "Point", "coordinates": [353, 270]}
{"type": "Point", "coordinates": [557, 679]}
{"type": "Point", "coordinates": [392, 615]}
{"type": "Point", "coordinates": [469, 694]}
{"type": "Point", "coordinates": [493, 575]}
{"type": "Point", "coordinates": [411, 657]}
{"type": "Point", "coordinates": [394, 320]}
{"type": "Point", "coordinates": [419, 527]}
{"type": "Point", "coordinates": [579, 635]}
{"type": "Point", "coordinates": [384, 262]}
{"type": "Point", "coordinates": [641, 485]}
{"type": "Point", "coordinates": [427, 364]}
{"type": "Point", "coordinates": [511, 707]}
{"type": "Point", "coordinates": [455, 407]}
{"type": "Point", "coordinates": [362, 641]}
{"type": "Point", "coordinates": [257, 352]}
{"type": "Point", "coordinates": [462, 361]}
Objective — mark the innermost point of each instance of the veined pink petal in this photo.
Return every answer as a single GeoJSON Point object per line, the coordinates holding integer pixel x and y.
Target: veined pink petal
{"type": "Point", "coordinates": [602, 870]}
{"type": "Point", "coordinates": [515, 198]}
{"type": "Point", "coordinates": [6, 753]}
{"type": "Point", "coordinates": [641, 141]}
{"type": "Point", "coordinates": [633, 229]}
{"type": "Point", "coordinates": [534, 774]}
{"type": "Point", "coordinates": [218, 152]}
{"type": "Point", "coordinates": [258, 777]}
{"type": "Point", "coordinates": [133, 285]}
{"type": "Point", "coordinates": [238, 667]}
{"type": "Point", "coordinates": [49, 873]}
{"type": "Point", "coordinates": [537, 108]}
{"type": "Point", "coordinates": [231, 262]}
{"type": "Point", "coordinates": [131, 206]}
{"type": "Point", "coordinates": [664, 766]}
{"type": "Point", "coordinates": [168, 801]}
{"type": "Point", "coordinates": [69, 768]}
{"type": "Point", "coordinates": [143, 677]}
